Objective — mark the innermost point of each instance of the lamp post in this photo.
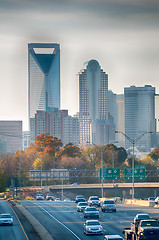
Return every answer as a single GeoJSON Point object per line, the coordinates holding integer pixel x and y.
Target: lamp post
{"type": "Point", "coordinates": [101, 149]}
{"type": "Point", "coordinates": [41, 173]}
{"type": "Point", "coordinates": [133, 141]}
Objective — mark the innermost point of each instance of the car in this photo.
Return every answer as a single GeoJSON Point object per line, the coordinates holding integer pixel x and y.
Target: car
{"type": "Point", "coordinates": [157, 199]}
{"type": "Point", "coordinates": [6, 219]}
{"type": "Point", "coordinates": [40, 196]}
{"type": "Point", "coordinates": [76, 183]}
{"type": "Point", "coordinates": [93, 227]}
{"type": "Point", "coordinates": [91, 212]}
{"type": "Point", "coordinates": [108, 205]}
{"type": "Point", "coordinates": [94, 201]}
{"type": "Point", "coordinates": [79, 198]}
{"type": "Point", "coordinates": [67, 200]}
{"type": "Point", "coordinates": [57, 199]}
{"type": "Point", "coordinates": [113, 237]}
{"type": "Point", "coordinates": [81, 206]}
{"type": "Point", "coordinates": [151, 199]}
{"type": "Point", "coordinates": [50, 196]}
{"type": "Point", "coordinates": [146, 199]}
{"type": "Point", "coordinates": [141, 216]}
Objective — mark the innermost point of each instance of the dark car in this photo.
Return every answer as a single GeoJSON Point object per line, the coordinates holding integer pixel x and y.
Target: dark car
{"type": "Point", "coordinates": [91, 212]}
{"type": "Point", "coordinates": [79, 198]}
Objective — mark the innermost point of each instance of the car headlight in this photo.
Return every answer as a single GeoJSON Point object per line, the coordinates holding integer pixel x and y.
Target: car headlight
{"type": "Point", "coordinates": [100, 228]}
{"type": "Point", "coordinates": [89, 229]}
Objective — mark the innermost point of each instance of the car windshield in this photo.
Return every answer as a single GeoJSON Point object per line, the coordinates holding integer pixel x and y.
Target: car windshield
{"type": "Point", "coordinates": [79, 197]}
{"type": "Point", "coordinates": [91, 209]}
{"type": "Point", "coordinates": [144, 216]}
{"type": "Point", "coordinates": [109, 202]}
{"type": "Point", "coordinates": [149, 224]}
{"type": "Point", "coordinates": [5, 216]}
{"type": "Point", "coordinates": [83, 204]}
{"type": "Point", "coordinates": [94, 198]}
{"type": "Point", "coordinates": [93, 223]}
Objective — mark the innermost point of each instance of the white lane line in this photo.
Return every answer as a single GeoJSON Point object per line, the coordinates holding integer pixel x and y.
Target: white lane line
{"type": "Point", "coordinates": [58, 221]}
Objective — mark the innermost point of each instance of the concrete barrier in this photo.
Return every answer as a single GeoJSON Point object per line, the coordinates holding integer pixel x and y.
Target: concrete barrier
{"type": "Point", "coordinates": [137, 202]}
{"type": "Point", "coordinates": [41, 231]}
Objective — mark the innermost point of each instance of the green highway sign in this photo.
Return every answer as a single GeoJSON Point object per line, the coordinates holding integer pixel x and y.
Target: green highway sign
{"type": "Point", "coordinates": [139, 173]}
{"type": "Point", "coordinates": [110, 173]}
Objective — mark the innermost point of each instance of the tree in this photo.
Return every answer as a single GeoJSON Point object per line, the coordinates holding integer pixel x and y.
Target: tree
{"type": "Point", "coordinates": [70, 150]}
{"type": "Point", "coordinates": [45, 142]}
{"type": "Point", "coordinates": [72, 163]}
{"type": "Point", "coordinates": [154, 154]}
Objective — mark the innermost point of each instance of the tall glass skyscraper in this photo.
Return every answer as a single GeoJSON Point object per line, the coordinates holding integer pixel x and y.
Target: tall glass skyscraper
{"type": "Point", "coordinates": [43, 77]}
{"type": "Point", "coordinates": [139, 115]}
{"type": "Point", "coordinates": [93, 97]}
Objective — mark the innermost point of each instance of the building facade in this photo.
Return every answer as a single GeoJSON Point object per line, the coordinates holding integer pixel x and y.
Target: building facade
{"type": "Point", "coordinates": [139, 115]}
{"type": "Point", "coordinates": [43, 77]}
{"type": "Point", "coordinates": [121, 119]}
{"type": "Point", "coordinates": [92, 98]}
{"type": "Point", "coordinates": [10, 136]}
{"type": "Point", "coordinates": [58, 124]}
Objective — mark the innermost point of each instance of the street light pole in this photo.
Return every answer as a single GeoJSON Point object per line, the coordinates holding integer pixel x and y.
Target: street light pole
{"type": "Point", "coordinates": [133, 141]}
{"type": "Point", "coordinates": [41, 174]}
{"type": "Point", "coordinates": [101, 149]}
{"type": "Point", "coordinates": [102, 168]}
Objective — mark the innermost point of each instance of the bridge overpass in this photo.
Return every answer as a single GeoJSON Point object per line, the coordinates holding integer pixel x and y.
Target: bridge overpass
{"type": "Point", "coordinates": [141, 190]}
{"type": "Point", "coordinates": [106, 185]}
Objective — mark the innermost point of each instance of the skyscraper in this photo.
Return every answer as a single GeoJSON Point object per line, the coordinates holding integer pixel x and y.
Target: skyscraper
{"type": "Point", "coordinates": [93, 98]}
{"type": "Point", "coordinates": [139, 115]}
{"type": "Point", "coordinates": [43, 77]}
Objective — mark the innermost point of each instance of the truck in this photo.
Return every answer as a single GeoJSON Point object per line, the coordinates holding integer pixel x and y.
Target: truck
{"type": "Point", "coordinates": [143, 229]}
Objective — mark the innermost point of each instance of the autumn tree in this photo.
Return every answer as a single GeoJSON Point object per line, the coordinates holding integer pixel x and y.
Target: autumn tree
{"type": "Point", "coordinates": [112, 156]}
{"type": "Point", "coordinates": [45, 142]}
{"type": "Point", "coordinates": [154, 154]}
{"type": "Point", "coordinates": [72, 163]}
{"type": "Point", "coordinates": [70, 150]}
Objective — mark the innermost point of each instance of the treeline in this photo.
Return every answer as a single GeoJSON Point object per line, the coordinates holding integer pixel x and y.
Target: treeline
{"type": "Point", "coordinates": [50, 152]}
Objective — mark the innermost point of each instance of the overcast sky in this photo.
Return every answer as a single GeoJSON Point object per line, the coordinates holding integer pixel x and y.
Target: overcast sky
{"type": "Point", "coordinates": [122, 35]}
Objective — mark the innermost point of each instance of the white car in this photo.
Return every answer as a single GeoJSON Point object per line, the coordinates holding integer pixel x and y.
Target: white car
{"type": "Point", "coordinates": [6, 219]}
{"type": "Point", "coordinates": [93, 227]}
{"type": "Point", "coordinates": [40, 196]}
{"type": "Point", "coordinates": [67, 200]}
{"type": "Point", "coordinates": [157, 199]}
{"type": "Point", "coordinates": [113, 237]}
{"type": "Point", "coordinates": [94, 201]}
{"type": "Point", "coordinates": [81, 206]}
{"type": "Point", "coordinates": [108, 205]}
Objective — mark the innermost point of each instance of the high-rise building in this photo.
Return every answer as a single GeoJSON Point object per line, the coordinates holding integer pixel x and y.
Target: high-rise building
{"type": "Point", "coordinates": [58, 124]}
{"type": "Point", "coordinates": [121, 119]}
{"type": "Point", "coordinates": [139, 115]}
{"type": "Point", "coordinates": [92, 98]}
{"type": "Point", "coordinates": [10, 136]}
{"type": "Point", "coordinates": [43, 77]}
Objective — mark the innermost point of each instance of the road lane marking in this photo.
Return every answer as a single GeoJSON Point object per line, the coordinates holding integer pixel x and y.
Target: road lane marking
{"type": "Point", "coordinates": [19, 222]}
{"type": "Point", "coordinates": [58, 221]}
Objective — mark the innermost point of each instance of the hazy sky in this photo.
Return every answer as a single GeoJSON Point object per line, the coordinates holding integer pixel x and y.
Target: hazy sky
{"type": "Point", "coordinates": [123, 35]}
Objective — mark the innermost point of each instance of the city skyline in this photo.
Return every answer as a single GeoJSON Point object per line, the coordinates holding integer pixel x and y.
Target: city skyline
{"type": "Point", "coordinates": [122, 36]}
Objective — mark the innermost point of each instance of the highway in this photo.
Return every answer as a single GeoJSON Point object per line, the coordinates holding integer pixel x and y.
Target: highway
{"type": "Point", "coordinates": [63, 222]}
{"type": "Point", "coordinates": [21, 229]}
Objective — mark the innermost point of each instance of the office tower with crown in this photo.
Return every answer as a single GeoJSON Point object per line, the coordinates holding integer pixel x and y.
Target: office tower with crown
{"type": "Point", "coordinates": [43, 78]}
{"type": "Point", "coordinates": [92, 102]}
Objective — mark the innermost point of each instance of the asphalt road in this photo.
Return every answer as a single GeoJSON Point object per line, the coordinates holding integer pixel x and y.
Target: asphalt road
{"type": "Point", "coordinates": [64, 223]}
{"type": "Point", "coordinates": [21, 229]}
